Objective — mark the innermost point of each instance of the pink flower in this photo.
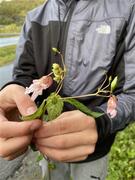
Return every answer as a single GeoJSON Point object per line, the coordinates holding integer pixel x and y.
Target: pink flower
{"type": "Point", "coordinates": [38, 85]}
{"type": "Point", "coordinates": [111, 106]}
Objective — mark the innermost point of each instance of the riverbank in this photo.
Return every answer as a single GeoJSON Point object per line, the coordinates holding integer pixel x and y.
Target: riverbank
{"type": "Point", "coordinates": [5, 35]}
{"type": "Point", "coordinates": [7, 54]}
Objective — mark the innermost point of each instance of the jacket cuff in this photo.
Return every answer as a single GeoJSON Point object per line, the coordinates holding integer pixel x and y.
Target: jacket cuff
{"type": "Point", "coordinates": [103, 125]}
{"type": "Point", "coordinates": [12, 82]}
{"type": "Point", "coordinates": [22, 82]}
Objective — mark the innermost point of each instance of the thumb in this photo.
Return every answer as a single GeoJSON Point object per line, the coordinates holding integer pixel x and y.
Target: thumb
{"type": "Point", "coordinates": [25, 104]}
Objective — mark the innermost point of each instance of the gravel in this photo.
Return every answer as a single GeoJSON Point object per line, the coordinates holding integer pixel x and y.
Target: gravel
{"type": "Point", "coordinates": [29, 169]}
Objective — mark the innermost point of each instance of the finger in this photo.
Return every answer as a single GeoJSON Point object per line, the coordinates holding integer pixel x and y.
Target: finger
{"type": "Point", "coordinates": [24, 103]}
{"type": "Point", "coordinates": [69, 140]}
{"type": "Point", "coordinates": [2, 117]}
{"type": "Point", "coordinates": [67, 123]}
{"type": "Point", "coordinates": [66, 154]}
{"type": "Point", "coordinates": [13, 129]}
{"type": "Point", "coordinates": [1, 113]}
{"type": "Point", "coordinates": [15, 155]}
{"type": "Point", "coordinates": [13, 145]}
{"type": "Point", "coordinates": [14, 95]}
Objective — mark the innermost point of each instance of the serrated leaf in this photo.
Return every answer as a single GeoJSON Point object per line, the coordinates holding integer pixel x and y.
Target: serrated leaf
{"type": "Point", "coordinates": [54, 106]}
{"type": "Point", "coordinates": [80, 106]}
{"type": "Point", "coordinates": [37, 114]}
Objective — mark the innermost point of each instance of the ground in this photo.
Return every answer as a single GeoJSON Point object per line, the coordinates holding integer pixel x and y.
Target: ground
{"type": "Point", "coordinates": [29, 169]}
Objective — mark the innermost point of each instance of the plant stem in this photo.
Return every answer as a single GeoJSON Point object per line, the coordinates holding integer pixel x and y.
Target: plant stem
{"type": "Point", "coordinates": [62, 59]}
{"type": "Point", "coordinates": [59, 86]}
{"type": "Point", "coordinates": [81, 96]}
{"type": "Point", "coordinates": [104, 91]}
{"type": "Point", "coordinates": [103, 82]}
{"type": "Point", "coordinates": [85, 95]}
{"type": "Point", "coordinates": [50, 74]}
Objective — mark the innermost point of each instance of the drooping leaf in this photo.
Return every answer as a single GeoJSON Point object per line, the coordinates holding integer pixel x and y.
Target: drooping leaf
{"type": "Point", "coordinates": [80, 106]}
{"type": "Point", "coordinates": [38, 114]}
{"type": "Point", "coordinates": [54, 106]}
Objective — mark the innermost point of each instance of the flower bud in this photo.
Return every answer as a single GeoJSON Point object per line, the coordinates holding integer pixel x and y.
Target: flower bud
{"type": "Point", "coordinates": [55, 66]}
{"type": "Point", "coordinates": [55, 50]}
{"type": "Point", "coordinates": [110, 79]}
{"type": "Point", "coordinates": [114, 84]}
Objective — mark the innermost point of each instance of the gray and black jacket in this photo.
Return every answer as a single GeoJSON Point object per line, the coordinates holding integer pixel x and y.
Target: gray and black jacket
{"type": "Point", "coordinates": [96, 37]}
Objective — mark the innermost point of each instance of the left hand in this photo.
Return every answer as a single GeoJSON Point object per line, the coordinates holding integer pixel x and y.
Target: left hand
{"type": "Point", "coordinates": [69, 138]}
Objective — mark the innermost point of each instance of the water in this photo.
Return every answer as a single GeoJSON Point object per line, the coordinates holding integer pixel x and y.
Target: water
{"type": "Point", "coordinates": [8, 41]}
{"type": "Point", "coordinates": [5, 74]}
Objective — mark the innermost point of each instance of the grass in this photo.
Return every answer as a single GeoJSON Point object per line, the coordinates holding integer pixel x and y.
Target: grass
{"type": "Point", "coordinates": [122, 156]}
{"type": "Point", "coordinates": [7, 54]}
{"type": "Point", "coordinates": [9, 29]}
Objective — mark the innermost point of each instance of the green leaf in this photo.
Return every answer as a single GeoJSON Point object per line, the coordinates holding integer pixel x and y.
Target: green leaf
{"type": "Point", "coordinates": [45, 117]}
{"type": "Point", "coordinates": [83, 108]}
{"type": "Point", "coordinates": [38, 114]}
{"type": "Point", "coordinates": [114, 84]}
{"type": "Point", "coordinates": [54, 106]}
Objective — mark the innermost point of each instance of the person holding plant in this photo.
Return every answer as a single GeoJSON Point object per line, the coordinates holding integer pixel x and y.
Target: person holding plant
{"type": "Point", "coordinates": [94, 44]}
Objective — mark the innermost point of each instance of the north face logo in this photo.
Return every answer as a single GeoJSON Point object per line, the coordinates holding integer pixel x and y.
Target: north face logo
{"type": "Point", "coordinates": [104, 29]}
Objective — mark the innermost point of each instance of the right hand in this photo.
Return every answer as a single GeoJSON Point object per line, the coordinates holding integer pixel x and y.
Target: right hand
{"type": "Point", "coordinates": [15, 136]}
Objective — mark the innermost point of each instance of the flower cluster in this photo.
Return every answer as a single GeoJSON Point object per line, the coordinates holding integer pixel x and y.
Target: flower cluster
{"type": "Point", "coordinates": [111, 106]}
{"type": "Point", "coordinates": [38, 85]}
{"type": "Point", "coordinates": [58, 72]}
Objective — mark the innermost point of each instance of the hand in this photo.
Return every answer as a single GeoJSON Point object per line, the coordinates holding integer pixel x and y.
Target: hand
{"type": "Point", "coordinates": [15, 137]}
{"type": "Point", "coordinates": [69, 138]}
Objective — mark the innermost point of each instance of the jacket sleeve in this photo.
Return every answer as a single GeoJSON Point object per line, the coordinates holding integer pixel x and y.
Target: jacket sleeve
{"type": "Point", "coordinates": [125, 91]}
{"type": "Point", "coordinates": [24, 66]}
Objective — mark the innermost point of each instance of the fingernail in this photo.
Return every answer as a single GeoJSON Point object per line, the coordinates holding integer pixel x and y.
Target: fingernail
{"type": "Point", "coordinates": [31, 110]}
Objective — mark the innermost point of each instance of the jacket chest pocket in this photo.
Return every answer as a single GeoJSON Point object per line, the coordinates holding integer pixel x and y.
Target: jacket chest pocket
{"type": "Point", "coordinates": [91, 48]}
